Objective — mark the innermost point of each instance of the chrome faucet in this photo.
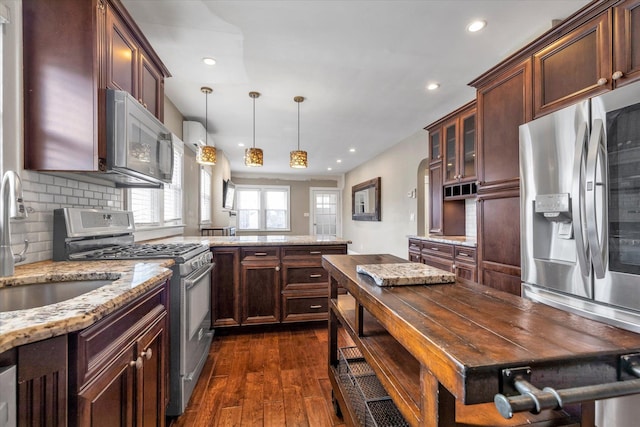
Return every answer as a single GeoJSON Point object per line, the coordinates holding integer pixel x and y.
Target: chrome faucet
{"type": "Point", "coordinates": [11, 207]}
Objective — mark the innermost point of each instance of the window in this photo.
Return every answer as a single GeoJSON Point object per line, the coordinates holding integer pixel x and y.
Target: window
{"type": "Point", "coordinates": [159, 207]}
{"type": "Point", "coordinates": [263, 208]}
{"type": "Point", "coordinates": [205, 195]}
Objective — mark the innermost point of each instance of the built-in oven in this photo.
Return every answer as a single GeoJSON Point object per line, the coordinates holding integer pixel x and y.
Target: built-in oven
{"type": "Point", "coordinates": [195, 332]}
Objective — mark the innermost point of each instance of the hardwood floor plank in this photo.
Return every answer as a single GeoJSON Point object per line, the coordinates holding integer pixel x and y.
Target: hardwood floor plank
{"type": "Point", "coordinates": [274, 414]}
{"type": "Point", "coordinates": [230, 417]}
{"type": "Point", "coordinates": [317, 412]}
{"type": "Point", "coordinates": [295, 414]}
{"type": "Point", "coordinates": [210, 406]}
{"type": "Point", "coordinates": [253, 402]}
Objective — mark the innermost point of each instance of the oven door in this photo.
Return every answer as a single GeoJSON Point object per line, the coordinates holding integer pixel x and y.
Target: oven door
{"type": "Point", "coordinates": [195, 324]}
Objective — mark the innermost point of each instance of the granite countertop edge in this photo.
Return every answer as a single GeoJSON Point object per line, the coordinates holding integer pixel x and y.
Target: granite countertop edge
{"type": "Point", "coordinates": [452, 240]}
{"type": "Point", "coordinates": [130, 280]}
{"type": "Point", "coordinates": [270, 240]}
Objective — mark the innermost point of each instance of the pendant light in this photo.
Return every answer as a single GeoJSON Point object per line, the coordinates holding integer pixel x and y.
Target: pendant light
{"type": "Point", "coordinates": [253, 156]}
{"type": "Point", "coordinates": [298, 158]}
{"type": "Point", "coordinates": [206, 154]}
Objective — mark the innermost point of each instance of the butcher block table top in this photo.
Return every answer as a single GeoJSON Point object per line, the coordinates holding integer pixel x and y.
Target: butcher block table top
{"type": "Point", "coordinates": [465, 334]}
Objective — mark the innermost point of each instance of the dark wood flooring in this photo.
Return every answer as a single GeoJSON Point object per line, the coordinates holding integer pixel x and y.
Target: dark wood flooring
{"type": "Point", "coordinates": [264, 378]}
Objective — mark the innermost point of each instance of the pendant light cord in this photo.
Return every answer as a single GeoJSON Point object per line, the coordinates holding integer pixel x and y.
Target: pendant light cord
{"type": "Point", "coordinates": [298, 126]}
{"type": "Point", "coordinates": [254, 123]}
{"type": "Point", "coordinates": [206, 116]}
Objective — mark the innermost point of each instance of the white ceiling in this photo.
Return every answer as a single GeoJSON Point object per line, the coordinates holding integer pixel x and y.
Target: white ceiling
{"type": "Point", "coordinates": [362, 66]}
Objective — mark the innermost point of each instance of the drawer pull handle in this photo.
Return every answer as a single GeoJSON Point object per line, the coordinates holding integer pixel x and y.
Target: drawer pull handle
{"type": "Point", "coordinates": [260, 254]}
{"type": "Point", "coordinates": [435, 249]}
{"type": "Point", "coordinates": [461, 254]}
{"type": "Point", "coordinates": [315, 276]}
{"type": "Point", "coordinates": [315, 252]}
{"type": "Point", "coordinates": [315, 307]}
{"type": "Point", "coordinates": [136, 363]}
{"type": "Point", "coordinates": [148, 353]}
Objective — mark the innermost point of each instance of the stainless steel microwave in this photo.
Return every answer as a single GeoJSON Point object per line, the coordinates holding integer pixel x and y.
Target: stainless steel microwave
{"type": "Point", "coordinates": [139, 147]}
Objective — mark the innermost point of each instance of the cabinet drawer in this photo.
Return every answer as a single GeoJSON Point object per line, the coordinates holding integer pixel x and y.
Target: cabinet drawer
{"type": "Point", "coordinates": [260, 253]}
{"type": "Point", "coordinates": [441, 263]}
{"type": "Point", "coordinates": [465, 254]}
{"type": "Point", "coordinates": [312, 251]}
{"type": "Point", "coordinates": [297, 306]}
{"type": "Point", "coordinates": [415, 245]}
{"type": "Point", "coordinates": [304, 276]}
{"type": "Point", "coordinates": [95, 347]}
{"type": "Point", "coordinates": [437, 249]}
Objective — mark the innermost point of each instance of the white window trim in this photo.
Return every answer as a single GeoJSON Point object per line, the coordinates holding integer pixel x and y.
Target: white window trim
{"type": "Point", "coordinates": [262, 216]}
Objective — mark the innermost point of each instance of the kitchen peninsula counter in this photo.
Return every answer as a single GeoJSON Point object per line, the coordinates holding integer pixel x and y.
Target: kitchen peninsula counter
{"type": "Point", "coordinates": [451, 240]}
{"type": "Point", "coordinates": [130, 280]}
{"type": "Point", "coordinates": [440, 350]}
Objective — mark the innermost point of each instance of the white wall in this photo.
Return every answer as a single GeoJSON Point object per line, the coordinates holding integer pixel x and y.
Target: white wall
{"type": "Point", "coordinates": [397, 168]}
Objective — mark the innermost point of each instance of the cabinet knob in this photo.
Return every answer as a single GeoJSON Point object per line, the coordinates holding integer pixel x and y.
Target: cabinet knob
{"type": "Point", "coordinates": [148, 353]}
{"type": "Point", "coordinates": [277, 268]}
{"type": "Point", "coordinates": [602, 81]}
{"type": "Point", "coordinates": [136, 363]}
{"type": "Point", "coordinates": [617, 75]}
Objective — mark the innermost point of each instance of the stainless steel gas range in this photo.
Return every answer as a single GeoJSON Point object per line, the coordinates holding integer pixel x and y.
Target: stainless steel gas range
{"type": "Point", "coordinates": [93, 234]}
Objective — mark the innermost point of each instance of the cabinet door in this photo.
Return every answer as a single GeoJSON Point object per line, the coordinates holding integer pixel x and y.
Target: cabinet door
{"type": "Point", "coordinates": [467, 272]}
{"type": "Point", "coordinates": [225, 287]}
{"type": "Point", "coordinates": [108, 400]}
{"type": "Point", "coordinates": [573, 68]}
{"type": "Point", "coordinates": [450, 131]}
{"type": "Point", "coordinates": [42, 383]}
{"type": "Point", "coordinates": [151, 88]}
{"type": "Point", "coordinates": [435, 146]}
{"type": "Point", "coordinates": [499, 241]}
{"type": "Point", "coordinates": [503, 105]}
{"type": "Point", "coordinates": [467, 147]}
{"type": "Point", "coordinates": [260, 292]}
{"type": "Point", "coordinates": [435, 198]}
{"type": "Point", "coordinates": [151, 386]}
{"type": "Point", "coordinates": [626, 42]}
{"type": "Point", "coordinates": [122, 56]}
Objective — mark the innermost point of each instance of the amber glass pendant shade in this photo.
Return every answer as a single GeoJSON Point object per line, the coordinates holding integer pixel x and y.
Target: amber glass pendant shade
{"type": "Point", "coordinates": [206, 155]}
{"type": "Point", "coordinates": [298, 159]}
{"type": "Point", "coordinates": [253, 157]}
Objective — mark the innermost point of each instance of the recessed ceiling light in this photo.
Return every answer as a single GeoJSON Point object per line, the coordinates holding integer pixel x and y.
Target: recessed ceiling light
{"type": "Point", "coordinates": [476, 26]}
{"type": "Point", "coordinates": [329, 168]}
{"type": "Point", "coordinates": [352, 150]}
{"type": "Point", "coordinates": [433, 86]}
{"type": "Point", "coordinates": [209, 61]}
{"type": "Point", "coordinates": [240, 144]}
{"type": "Point", "coordinates": [339, 161]}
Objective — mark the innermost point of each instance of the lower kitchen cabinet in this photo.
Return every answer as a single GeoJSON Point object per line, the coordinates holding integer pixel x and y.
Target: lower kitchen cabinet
{"type": "Point", "coordinates": [458, 259]}
{"type": "Point", "coordinates": [270, 284]}
{"type": "Point", "coordinates": [118, 366]}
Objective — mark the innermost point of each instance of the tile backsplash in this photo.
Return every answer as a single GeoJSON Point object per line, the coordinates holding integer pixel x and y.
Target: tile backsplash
{"type": "Point", "coordinates": [470, 224]}
{"type": "Point", "coordinates": [42, 194]}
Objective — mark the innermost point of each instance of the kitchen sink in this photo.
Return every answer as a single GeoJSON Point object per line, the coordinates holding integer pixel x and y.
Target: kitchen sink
{"type": "Point", "coordinates": [41, 294]}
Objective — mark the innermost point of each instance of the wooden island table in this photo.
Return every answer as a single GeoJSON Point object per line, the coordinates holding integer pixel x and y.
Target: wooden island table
{"type": "Point", "coordinates": [442, 352]}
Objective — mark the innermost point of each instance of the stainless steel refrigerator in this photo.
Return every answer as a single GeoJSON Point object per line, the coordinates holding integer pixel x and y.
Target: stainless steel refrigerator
{"type": "Point", "coordinates": [580, 215]}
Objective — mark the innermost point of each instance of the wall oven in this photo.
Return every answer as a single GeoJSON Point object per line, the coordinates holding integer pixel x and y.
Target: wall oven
{"type": "Point", "coordinates": [91, 234]}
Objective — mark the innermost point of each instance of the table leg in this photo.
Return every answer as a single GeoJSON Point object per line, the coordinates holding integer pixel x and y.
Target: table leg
{"type": "Point", "coordinates": [438, 405]}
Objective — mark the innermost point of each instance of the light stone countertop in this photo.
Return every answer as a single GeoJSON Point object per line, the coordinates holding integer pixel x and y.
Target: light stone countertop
{"type": "Point", "coordinates": [131, 279]}
{"type": "Point", "coordinates": [270, 240]}
{"type": "Point", "coordinates": [452, 240]}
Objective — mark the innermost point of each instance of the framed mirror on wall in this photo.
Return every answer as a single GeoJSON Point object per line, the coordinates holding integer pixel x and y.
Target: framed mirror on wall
{"type": "Point", "coordinates": [365, 201]}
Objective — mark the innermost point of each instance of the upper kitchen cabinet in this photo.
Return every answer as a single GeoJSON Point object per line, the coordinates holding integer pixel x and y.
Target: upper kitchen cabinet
{"type": "Point", "coordinates": [598, 55]}
{"type": "Point", "coordinates": [626, 42]}
{"type": "Point", "coordinates": [460, 146]}
{"type": "Point", "coordinates": [73, 50]}
{"type": "Point", "coordinates": [435, 146]}
{"type": "Point", "coordinates": [574, 67]}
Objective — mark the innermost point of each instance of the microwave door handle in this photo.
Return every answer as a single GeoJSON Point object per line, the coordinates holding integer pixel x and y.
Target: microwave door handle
{"type": "Point", "coordinates": [577, 202]}
{"type": "Point", "coordinates": [166, 138]}
{"type": "Point", "coordinates": [597, 155]}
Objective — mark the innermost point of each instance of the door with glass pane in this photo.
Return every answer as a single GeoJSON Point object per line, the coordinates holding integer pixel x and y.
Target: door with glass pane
{"type": "Point", "coordinates": [325, 212]}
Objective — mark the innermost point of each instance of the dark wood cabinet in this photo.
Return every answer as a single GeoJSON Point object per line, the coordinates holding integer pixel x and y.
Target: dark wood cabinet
{"type": "Point", "coordinates": [435, 198]}
{"type": "Point", "coordinates": [626, 42]}
{"type": "Point", "coordinates": [97, 46]}
{"type": "Point", "coordinates": [460, 146]}
{"type": "Point", "coordinates": [456, 258]}
{"type": "Point", "coordinates": [576, 66]}
{"type": "Point", "coordinates": [260, 291]}
{"type": "Point", "coordinates": [270, 284]}
{"type": "Point", "coordinates": [118, 366]}
{"type": "Point", "coordinates": [435, 145]}
{"type": "Point", "coordinates": [225, 287]}
{"type": "Point", "coordinates": [42, 382]}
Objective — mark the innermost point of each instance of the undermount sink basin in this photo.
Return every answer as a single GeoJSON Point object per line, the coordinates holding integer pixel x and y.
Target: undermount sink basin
{"type": "Point", "coordinates": [41, 294]}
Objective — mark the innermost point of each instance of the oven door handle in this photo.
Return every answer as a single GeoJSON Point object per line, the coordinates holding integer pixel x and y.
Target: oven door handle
{"type": "Point", "coordinates": [190, 283]}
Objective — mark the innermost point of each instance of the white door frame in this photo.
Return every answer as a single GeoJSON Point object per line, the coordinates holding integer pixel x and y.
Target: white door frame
{"type": "Point", "coordinates": [312, 208]}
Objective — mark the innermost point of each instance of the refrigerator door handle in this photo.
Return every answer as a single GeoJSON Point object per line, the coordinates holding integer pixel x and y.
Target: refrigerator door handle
{"type": "Point", "coordinates": [597, 156]}
{"type": "Point", "coordinates": [577, 202]}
